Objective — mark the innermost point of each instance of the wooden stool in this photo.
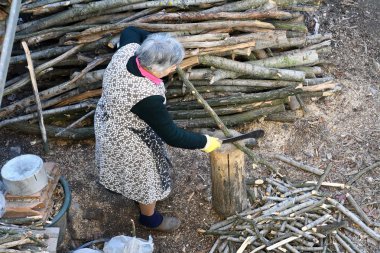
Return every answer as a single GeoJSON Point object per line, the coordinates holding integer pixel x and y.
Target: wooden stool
{"type": "Point", "coordinates": [229, 194]}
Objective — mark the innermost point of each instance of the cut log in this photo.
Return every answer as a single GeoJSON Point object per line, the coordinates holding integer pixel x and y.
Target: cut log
{"type": "Point", "coordinates": [227, 174]}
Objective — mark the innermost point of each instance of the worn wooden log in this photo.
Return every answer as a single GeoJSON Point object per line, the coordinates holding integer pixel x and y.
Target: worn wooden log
{"type": "Point", "coordinates": [192, 114]}
{"type": "Point", "coordinates": [239, 99]}
{"type": "Point", "coordinates": [237, 6]}
{"type": "Point", "coordinates": [252, 70]}
{"type": "Point", "coordinates": [231, 120]}
{"type": "Point", "coordinates": [299, 165]}
{"type": "Point", "coordinates": [60, 110]}
{"type": "Point", "coordinates": [73, 133]}
{"type": "Point", "coordinates": [203, 16]}
{"type": "Point", "coordinates": [228, 188]}
{"type": "Point", "coordinates": [26, 80]}
{"type": "Point", "coordinates": [71, 15]}
{"type": "Point", "coordinates": [258, 84]}
{"type": "Point", "coordinates": [294, 60]}
{"type": "Point", "coordinates": [54, 91]}
{"type": "Point", "coordinates": [98, 32]}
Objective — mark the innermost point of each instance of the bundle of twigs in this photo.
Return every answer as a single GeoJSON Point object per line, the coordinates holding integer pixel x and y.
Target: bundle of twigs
{"type": "Point", "coordinates": [294, 217]}
{"type": "Point", "coordinates": [19, 239]}
{"type": "Point", "coordinates": [245, 57]}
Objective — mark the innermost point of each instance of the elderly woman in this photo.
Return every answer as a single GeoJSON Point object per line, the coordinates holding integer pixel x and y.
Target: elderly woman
{"type": "Point", "coordinates": [132, 124]}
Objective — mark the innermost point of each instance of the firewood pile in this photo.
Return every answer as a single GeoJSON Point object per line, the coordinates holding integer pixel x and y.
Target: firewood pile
{"type": "Point", "coordinates": [250, 59]}
{"type": "Point", "coordinates": [22, 239]}
{"type": "Point", "coordinates": [296, 217]}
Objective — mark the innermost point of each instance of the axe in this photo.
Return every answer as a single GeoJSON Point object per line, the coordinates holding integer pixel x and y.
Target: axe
{"type": "Point", "coordinates": [254, 134]}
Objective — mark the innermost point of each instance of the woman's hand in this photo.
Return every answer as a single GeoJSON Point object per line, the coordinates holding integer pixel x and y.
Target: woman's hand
{"type": "Point", "coordinates": [212, 144]}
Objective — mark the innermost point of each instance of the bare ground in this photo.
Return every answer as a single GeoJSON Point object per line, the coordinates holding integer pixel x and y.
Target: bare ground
{"type": "Point", "coordinates": [343, 130]}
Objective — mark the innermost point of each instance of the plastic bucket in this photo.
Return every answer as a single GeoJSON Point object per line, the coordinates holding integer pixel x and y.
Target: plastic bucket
{"type": "Point", "coordinates": [60, 219]}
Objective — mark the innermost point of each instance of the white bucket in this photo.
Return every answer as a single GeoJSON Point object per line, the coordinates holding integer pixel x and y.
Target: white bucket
{"type": "Point", "coordinates": [24, 175]}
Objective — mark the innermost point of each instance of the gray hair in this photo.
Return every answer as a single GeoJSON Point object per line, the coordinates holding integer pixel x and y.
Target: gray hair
{"type": "Point", "coordinates": [159, 51]}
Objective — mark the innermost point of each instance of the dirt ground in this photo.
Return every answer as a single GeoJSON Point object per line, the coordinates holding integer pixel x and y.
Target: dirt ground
{"type": "Point", "coordinates": [343, 130]}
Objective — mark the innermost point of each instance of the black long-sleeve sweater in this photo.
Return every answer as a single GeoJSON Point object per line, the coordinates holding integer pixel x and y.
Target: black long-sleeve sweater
{"type": "Point", "coordinates": [152, 109]}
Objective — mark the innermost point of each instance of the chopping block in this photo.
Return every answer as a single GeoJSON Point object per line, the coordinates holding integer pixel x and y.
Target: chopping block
{"type": "Point", "coordinates": [229, 194]}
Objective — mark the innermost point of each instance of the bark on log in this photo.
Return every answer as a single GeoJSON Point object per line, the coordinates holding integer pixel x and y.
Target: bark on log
{"type": "Point", "coordinates": [203, 16]}
{"type": "Point", "coordinates": [299, 165]}
{"type": "Point", "coordinates": [54, 91]}
{"type": "Point", "coordinates": [259, 84]}
{"type": "Point", "coordinates": [60, 110]}
{"type": "Point", "coordinates": [42, 54]}
{"type": "Point", "coordinates": [74, 133]}
{"type": "Point", "coordinates": [228, 188]}
{"type": "Point", "coordinates": [231, 120]}
{"type": "Point", "coordinates": [203, 37]}
{"type": "Point", "coordinates": [186, 114]}
{"type": "Point", "coordinates": [239, 99]}
{"type": "Point", "coordinates": [252, 70]}
{"type": "Point", "coordinates": [294, 60]}
{"type": "Point", "coordinates": [71, 15]}
{"type": "Point", "coordinates": [237, 6]}
{"type": "Point", "coordinates": [285, 117]}
{"type": "Point", "coordinates": [162, 3]}
{"type": "Point", "coordinates": [99, 31]}
{"type": "Point", "coordinates": [40, 68]}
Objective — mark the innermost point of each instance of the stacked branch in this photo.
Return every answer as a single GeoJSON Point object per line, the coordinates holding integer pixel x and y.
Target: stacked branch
{"type": "Point", "coordinates": [249, 59]}
{"type": "Point", "coordinates": [19, 239]}
{"type": "Point", "coordinates": [289, 217]}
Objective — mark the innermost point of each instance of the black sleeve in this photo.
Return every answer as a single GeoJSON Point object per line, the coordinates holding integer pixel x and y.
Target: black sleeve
{"type": "Point", "coordinates": [153, 111]}
{"type": "Point", "coordinates": [132, 35]}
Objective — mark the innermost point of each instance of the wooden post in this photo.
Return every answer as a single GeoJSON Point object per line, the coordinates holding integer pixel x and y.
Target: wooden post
{"type": "Point", "coordinates": [229, 193]}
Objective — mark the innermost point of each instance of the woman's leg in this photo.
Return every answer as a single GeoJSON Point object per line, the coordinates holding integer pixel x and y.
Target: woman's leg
{"type": "Point", "coordinates": [151, 218]}
{"type": "Point", "coordinates": [148, 209]}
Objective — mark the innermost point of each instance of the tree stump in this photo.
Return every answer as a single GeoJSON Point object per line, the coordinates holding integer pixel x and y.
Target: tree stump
{"type": "Point", "coordinates": [229, 193]}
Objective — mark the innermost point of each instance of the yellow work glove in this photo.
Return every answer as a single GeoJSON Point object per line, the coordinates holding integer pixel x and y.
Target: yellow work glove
{"type": "Point", "coordinates": [212, 144]}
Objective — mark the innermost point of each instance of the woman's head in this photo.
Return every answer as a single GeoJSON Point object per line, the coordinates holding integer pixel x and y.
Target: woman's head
{"type": "Point", "coordinates": [160, 53]}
